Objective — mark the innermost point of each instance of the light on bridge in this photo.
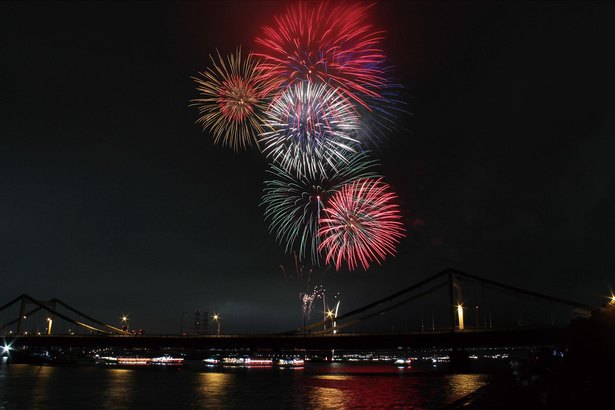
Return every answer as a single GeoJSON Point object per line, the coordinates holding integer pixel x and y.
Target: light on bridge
{"type": "Point", "coordinates": [460, 315]}
{"type": "Point", "coordinates": [6, 348]}
{"type": "Point", "coordinates": [217, 318]}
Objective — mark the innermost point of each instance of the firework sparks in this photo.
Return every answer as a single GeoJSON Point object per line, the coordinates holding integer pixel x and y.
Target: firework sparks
{"type": "Point", "coordinates": [362, 224]}
{"type": "Point", "coordinates": [325, 43]}
{"type": "Point", "coordinates": [293, 204]}
{"type": "Point", "coordinates": [303, 276]}
{"type": "Point", "coordinates": [381, 119]}
{"type": "Point", "coordinates": [307, 300]}
{"type": "Point", "coordinates": [231, 101]}
{"type": "Point", "coordinates": [310, 128]}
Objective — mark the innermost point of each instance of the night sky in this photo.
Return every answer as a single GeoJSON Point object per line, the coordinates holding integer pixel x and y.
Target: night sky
{"type": "Point", "coordinates": [114, 200]}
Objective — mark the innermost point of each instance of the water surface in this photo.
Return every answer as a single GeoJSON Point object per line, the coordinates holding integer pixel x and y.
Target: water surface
{"type": "Point", "coordinates": [316, 386]}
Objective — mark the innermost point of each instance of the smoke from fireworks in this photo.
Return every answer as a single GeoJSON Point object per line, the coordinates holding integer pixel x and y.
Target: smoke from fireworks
{"type": "Point", "coordinates": [362, 223]}
{"type": "Point", "coordinates": [231, 101]}
{"type": "Point", "coordinates": [293, 204]}
{"type": "Point", "coordinates": [324, 43]}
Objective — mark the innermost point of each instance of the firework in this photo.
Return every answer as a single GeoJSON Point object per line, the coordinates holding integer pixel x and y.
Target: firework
{"type": "Point", "coordinates": [361, 224]}
{"type": "Point", "coordinates": [324, 43]}
{"type": "Point", "coordinates": [231, 100]}
{"type": "Point", "coordinates": [293, 204]}
{"type": "Point", "coordinates": [380, 119]}
{"type": "Point", "coordinates": [309, 129]}
{"type": "Point", "coordinates": [307, 300]}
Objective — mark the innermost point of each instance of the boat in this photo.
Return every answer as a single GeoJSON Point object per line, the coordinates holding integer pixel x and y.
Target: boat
{"type": "Point", "coordinates": [137, 361]}
{"type": "Point", "coordinates": [400, 362]}
{"type": "Point", "coordinates": [246, 362]}
{"type": "Point", "coordinates": [291, 362]}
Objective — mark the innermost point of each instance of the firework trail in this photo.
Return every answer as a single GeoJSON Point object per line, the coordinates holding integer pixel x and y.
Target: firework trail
{"type": "Point", "coordinates": [293, 204]}
{"type": "Point", "coordinates": [324, 43]}
{"type": "Point", "coordinates": [381, 118]}
{"type": "Point", "coordinates": [308, 299]}
{"type": "Point", "coordinates": [309, 128]}
{"type": "Point", "coordinates": [362, 223]}
{"type": "Point", "coordinates": [232, 100]}
{"type": "Point", "coordinates": [308, 293]}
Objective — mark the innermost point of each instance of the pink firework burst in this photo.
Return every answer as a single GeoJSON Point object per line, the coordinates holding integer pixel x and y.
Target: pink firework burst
{"type": "Point", "coordinates": [324, 43]}
{"type": "Point", "coordinates": [362, 224]}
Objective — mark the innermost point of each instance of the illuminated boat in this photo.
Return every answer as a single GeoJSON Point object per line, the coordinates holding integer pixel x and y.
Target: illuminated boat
{"type": "Point", "coordinates": [211, 361]}
{"type": "Point", "coordinates": [403, 362]}
{"type": "Point", "coordinates": [291, 362]}
{"type": "Point", "coordinates": [133, 361]}
{"type": "Point", "coordinates": [246, 361]}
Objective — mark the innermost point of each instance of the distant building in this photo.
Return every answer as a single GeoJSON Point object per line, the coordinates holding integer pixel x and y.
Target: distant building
{"type": "Point", "coordinates": [200, 323]}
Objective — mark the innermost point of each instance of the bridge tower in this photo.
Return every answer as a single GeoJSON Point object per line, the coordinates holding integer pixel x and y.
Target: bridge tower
{"type": "Point", "coordinates": [455, 294]}
{"type": "Point", "coordinates": [23, 309]}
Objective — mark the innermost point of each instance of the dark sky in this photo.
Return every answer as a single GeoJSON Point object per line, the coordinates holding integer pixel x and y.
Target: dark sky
{"type": "Point", "coordinates": [112, 199]}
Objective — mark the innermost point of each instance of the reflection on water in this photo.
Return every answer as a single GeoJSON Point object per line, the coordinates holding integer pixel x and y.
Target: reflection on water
{"type": "Point", "coordinates": [328, 398]}
{"type": "Point", "coordinates": [213, 389]}
{"type": "Point", "coordinates": [329, 391]}
{"type": "Point", "coordinates": [119, 386]}
{"type": "Point", "coordinates": [460, 385]}
{"type": "Point", "coordinates": [332, 377]}
{"type": "Point", "coordinates": [318, 386]}
{"type": "Point", "coordinates": [40, 393]}
{"type": "Point", "coordinates": [386, 387]}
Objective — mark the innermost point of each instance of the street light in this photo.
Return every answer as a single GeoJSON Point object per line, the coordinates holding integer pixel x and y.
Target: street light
{"type": "Point", "coordinates": [125, 322]}
{"type": "Point", "coordinates": [6, 349]}
{"type": "Point", "coordinates": [217, 318]}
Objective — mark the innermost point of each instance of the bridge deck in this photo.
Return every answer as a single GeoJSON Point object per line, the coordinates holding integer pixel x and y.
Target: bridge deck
{"type": "Point", "coordinates": [440, 339]}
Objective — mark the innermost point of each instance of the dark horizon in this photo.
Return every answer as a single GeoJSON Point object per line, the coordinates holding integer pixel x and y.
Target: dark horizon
{"type": "Point", "coordinates": [116, 202]}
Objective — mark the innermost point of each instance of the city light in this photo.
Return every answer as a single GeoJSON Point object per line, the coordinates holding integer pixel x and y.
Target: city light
{"type": "Point", "coordinates": [460, 315]}
{"type": "Point", "coordinates": [125, 323]}
{"type": "Point", "coordinates": [217, 318]}
{"type": "Point", "coordinates": [6, 348]}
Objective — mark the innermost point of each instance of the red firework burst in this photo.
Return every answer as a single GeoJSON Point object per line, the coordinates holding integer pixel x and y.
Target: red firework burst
{"type": "Point", "coordinates": [362, 224]}
{"type": "Point", "coordinates": [324, 43]}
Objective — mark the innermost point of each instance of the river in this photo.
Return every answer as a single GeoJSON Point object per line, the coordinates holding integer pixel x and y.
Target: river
{"type": "Point", "coordinates": [315, 386]}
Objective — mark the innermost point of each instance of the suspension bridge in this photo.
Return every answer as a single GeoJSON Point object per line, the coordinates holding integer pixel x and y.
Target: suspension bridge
{"type": "Point", "coordinates": [448, 309]}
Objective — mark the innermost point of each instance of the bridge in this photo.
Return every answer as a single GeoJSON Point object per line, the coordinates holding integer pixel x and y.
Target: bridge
{"type": "Point", "coordinates": [559, 336]}
{"type": "Point", "coordinates": [465, 313]}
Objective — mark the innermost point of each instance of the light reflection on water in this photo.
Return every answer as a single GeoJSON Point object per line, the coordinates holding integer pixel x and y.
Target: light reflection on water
{"type": "Point", "coordinates": [213, 389]}
{"type": "Point", "coordinates": [118, 388]}
{"type": "Point", "coordinates": [460, 385]}
{"type": "Point", "coordinates": [318, 386]}
{"type": "Point", "coordinates": [40, 394]}
{"type": "Point", "coordinates": [328, 398]}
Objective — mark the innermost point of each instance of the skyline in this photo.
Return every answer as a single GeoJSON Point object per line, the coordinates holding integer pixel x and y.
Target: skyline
{"type": "Point", "coordinates": [115, 200]}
